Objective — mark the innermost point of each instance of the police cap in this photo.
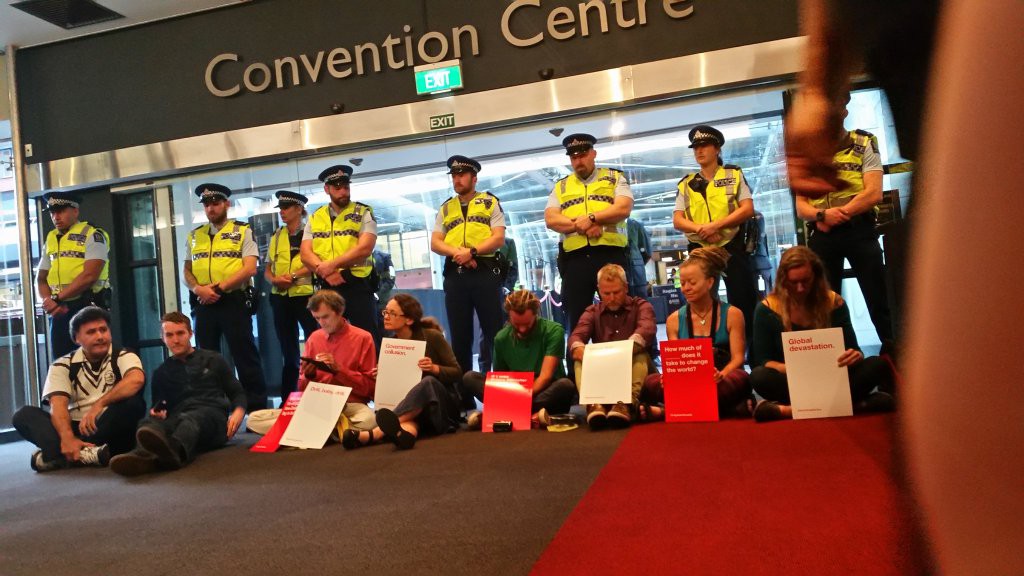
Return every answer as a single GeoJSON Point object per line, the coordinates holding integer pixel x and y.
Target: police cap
{"type": "Point", "coordinates": [459, 164]}
{"type": "Point", "coordinates": [336, 175]}
{"type": "Point", "coordinates": [286, 198]}
{"type": "Point", "coordinates": [59, 200]}
{"type": "Point", "coordinates": [705, 134]}
{"type": "Point", "coordinates": [577, 143]}
{"type": "Point", "coordinates": [212, 192]}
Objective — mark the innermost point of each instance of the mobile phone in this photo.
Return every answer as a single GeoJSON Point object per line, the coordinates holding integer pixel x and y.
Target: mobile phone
{"type": "Point", "coordinates": [319, 365]}
{"type": "Point", "coordinates": [502, 426]}
{"type": "Point", "coordinates": [160, 406]}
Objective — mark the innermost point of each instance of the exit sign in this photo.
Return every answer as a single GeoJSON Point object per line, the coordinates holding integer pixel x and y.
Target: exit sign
{"type": "Point", "coordinates": [438, 77]}
{"type": "Point", "coordinates": [442, 121]}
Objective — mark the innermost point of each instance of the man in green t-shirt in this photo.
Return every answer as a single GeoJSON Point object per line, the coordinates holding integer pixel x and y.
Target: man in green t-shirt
{"type": "Point", "coordinates": [529, 343]}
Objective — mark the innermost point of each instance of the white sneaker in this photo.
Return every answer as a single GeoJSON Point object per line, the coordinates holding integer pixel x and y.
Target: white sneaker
{"type": "Point", "coordinates": [475, 420]}
{"type": "Point", "coordinates": [94, 456]}
{"type": "Point", "coordinates": [39, 465]}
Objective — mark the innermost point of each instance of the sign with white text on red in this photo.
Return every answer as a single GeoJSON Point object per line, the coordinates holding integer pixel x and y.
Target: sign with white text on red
{"type": "Point", "coordinates": [271, 441]}
{"type": "Point", "coordinates": [688, 376]}
{"type": "Point", "coordinates": [818, 386]}
{"type": "Point", "coordinates": [508, 396]}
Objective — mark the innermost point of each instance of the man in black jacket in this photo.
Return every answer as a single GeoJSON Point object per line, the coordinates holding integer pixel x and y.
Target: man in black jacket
{"type": "Point", "coordinates": [198, 404]}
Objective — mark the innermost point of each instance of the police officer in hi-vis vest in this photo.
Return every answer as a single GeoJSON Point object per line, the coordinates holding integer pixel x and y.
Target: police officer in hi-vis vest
{"type": "Point", "coordinates": [73, 271]}
{"type": "Point", "coordinates": [220, 259]}
{"type": "Point", "coordinates": [842, 224]}
{"type": "Point", "coordinates": [711, 207]}
{"type": "Point", "coordinates": [468, 231]}
{"type": "Point", "coordinates": [337, 245]}
{"type": "Point", "coordinates": [589, 209]}
{"type": "Point", "coordinates": [292, 286]}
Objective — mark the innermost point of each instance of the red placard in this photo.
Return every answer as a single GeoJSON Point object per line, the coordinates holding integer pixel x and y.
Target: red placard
{"type": "Point", "coordinates": [508, 396]}
{"type": "Point", "coordinates": [688, 374]}
{"type": "Point", "coordinates": [272, 439]}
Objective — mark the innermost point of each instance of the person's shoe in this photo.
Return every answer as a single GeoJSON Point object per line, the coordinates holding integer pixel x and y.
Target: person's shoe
{"type": "Point", "coordinates": [767, 411]}
{"type": "Point", "coordinates": [134, 463]}
{"type": "Point", "coordinates": [39, 465]}
{"type": "Point", "coordinates": [167, 450]}
{"type": "Point", "coordinates": [94, 456]}
{"type": "Point", "coordinates": [877, 402]}
{"type": "Point", "coordinates": [618, 416]}
{"type": "Point", "coordinates": [596, 417]}
{"type": "Point", "coordinates": [391, 426]}
{"type": "Point", "coordinates": [541, 418]}
{"type": "Point", "coordinates": [475, 420]}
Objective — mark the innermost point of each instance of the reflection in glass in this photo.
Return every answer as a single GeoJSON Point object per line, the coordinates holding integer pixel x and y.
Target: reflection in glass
{"type": "Point", "coordinates": [140, 215]}
{"type": "Point", "coordinates": [147, 319]}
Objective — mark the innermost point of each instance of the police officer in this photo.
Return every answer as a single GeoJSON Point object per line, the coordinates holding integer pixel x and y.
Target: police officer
{"type": "Point", "coordinates": [842, 224]}
{"type": "Point", "coordinates": [337, 245]}
{"type": "Point", "coordinates": [468, 231]}
{"type": "Point", "coordinates": [589, 209]}
{"type": "Point", "coordinates": [73, 272]}
{"type": "Point", "coordinates": [292, 286]}
{"type": "Point", "coordinates": [711, 207]}
{"type": "Point", "coordinates": [220, 259]}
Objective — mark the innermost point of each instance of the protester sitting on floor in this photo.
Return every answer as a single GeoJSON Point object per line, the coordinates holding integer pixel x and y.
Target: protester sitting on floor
{"type": "Point", "coordinates": [618, 316]}
{"type": "Point", "coordinates": [704, 316]}
{"type": "Point", "coordinates": [432, 407]}
{"type": "Point", "coordinates": [802, 300]}
{"type": "Point", "coordinates": [94, 398]}
{"type": "Point", "coordinates": [529, 343]}
{"type": "Point", "coordinates": [198, 404]}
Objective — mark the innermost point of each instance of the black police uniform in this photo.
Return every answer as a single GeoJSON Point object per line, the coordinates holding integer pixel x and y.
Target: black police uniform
{"type": "Point", "coordinates": [230, 317]}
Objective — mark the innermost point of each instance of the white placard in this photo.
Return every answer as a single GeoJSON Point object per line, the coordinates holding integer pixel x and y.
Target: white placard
{"type": "Point", "coordinates": [397, 370]}
{"type": "Point", "coordinates": [607, 373]}
{"type": "Point", "coordinates": [317, 415]}
{"type": "Point", "coordinates": [818, 386]}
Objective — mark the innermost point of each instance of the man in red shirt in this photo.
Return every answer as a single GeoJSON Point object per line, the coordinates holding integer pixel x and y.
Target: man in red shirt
{"type": "Point", "coordinates": [344, 355]}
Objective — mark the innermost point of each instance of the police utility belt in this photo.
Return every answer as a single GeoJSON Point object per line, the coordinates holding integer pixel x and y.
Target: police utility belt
{"type": "Point", "coordinates": [496, 265]}
{"type": "Point", "coordinates": [370, 282]}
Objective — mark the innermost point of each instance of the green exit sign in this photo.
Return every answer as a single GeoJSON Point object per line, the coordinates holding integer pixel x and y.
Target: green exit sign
{"type": "Point", "coordinates": [438, 77]}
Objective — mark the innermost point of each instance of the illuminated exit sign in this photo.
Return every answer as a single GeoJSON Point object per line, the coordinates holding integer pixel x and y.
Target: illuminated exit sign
{"type": "Point", "coordinates": [438, 77]}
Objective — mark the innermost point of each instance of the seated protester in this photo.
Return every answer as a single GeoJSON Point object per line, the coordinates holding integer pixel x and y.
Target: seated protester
{"type": "Point", "coordinates": [618, 316]}
{"type": "Point", "coordinates": [802, 300]}
{"type": "Point", "coordinates": [529, 343]}
{"type": "Point", "coordinates": [95, 400]}
{"type": "Point", "coordinates": [704, 316]}
{"type": "Point", "coordinates": [432, 407]}
{"type": "Point", "coordinates": [198, 405]}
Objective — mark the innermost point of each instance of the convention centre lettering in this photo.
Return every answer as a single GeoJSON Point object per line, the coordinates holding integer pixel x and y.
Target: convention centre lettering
{"type": "Point", "coordinates": [228, 74]}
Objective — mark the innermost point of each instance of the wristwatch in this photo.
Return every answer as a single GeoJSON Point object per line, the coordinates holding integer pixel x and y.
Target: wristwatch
{"type": "Point", "coordinates": [473, 252]}
{"type": "Point", "coordinates": [593, 217]}
{"type": "Point", "coordinates": [55, 298]}
{"type": "Point", "coordinates": [294, 278]}
{"type": "Point", "coordinates": [218, 289]}
{"type": "Point", "coordinates": [820, 216]}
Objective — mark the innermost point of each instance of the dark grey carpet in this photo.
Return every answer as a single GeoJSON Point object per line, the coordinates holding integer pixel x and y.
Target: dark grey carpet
{"type": "Point", "coordinates": [467, 503]}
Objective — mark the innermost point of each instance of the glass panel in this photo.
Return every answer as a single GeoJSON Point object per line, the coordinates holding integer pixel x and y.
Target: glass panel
{"type": "Point", "coordinates": [147, 302]}
{"type": "Point", "coordinates": [152, 357]}
{"type": "Point", "coordinates": [12, 317]}
{"type": "Point", "coordinates": [140, 222]}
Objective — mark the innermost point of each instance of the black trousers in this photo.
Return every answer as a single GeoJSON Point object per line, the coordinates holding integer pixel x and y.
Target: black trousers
{"type": "Point", "coordinates": [740, 282]}
{"type": "Point", "coordinates": [230, 318]}
{"type": "Point", "coordinates": [865, 376]}
{"type": "Point", "coordinates": [558, 398]}
{"type": "Point", "coordinates": [438, 406]}
{"type": "Point", "coordinates": [115, 427]}
{"type": "Point", "coordinates": [857, 241]}
{"type": "Point", "coordinates": [289, 314]}
{"type": "Point", "coordinates": [360, 305]}
{"type": "Point", "coordinates": [579, 276]}
{"type": "Point", "coordinates": [472, 291]}
{"type": "Point", "coordinates": [197, 429]}
{"type": "Point", "coordinates": [60, 326]}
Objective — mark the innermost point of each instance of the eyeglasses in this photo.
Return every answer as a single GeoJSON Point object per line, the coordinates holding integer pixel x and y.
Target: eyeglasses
{"type": "Point", "coordinates": [389, 314]}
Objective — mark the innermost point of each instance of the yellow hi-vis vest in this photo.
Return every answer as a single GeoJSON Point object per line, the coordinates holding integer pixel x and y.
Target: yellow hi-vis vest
{"type": "Point", "coordinates": [470, 231]}
{"type": "Point", "coordinates": [334, 237]}
{"type": "Point", "coordinates": [849, 162]}
{"type": "Point", "coordinates": [281, 262]}
{"type": "Point", "coordinates": [67, 257]}
{"type": "Point", "coordinates": [718, 201]}
{"type": "Point", "coordinates": [217, 260]}
{"type": "Point", "coordinates": [578, 199]}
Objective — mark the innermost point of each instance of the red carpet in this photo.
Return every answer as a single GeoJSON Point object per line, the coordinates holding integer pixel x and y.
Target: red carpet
{"type": "Point", "coordinates": [798, 497]}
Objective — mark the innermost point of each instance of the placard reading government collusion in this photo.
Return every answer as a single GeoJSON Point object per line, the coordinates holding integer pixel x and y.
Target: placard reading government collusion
{"type": "Point", "coordinates": [227, 74]}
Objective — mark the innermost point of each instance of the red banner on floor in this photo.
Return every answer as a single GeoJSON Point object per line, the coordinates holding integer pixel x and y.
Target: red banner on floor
{"type": "Point", "coordinates": [508, 397]}
{"type": "Point", "coordinates": [272, 439]}
{"type": "Point", "coordinates": [688, 375]}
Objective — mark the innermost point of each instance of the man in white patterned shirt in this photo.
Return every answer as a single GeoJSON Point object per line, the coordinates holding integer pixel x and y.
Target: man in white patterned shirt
{"type": "Point", "coordinates": [95, 400]}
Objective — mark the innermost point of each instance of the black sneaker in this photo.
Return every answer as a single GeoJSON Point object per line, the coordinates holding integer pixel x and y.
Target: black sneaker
{"type": "Point", "coordinates": [391, 426]}
{"type": "Point", "coordinates": [166, 450]}
{"type": "Point", "coordinates": [877, 402]}
{"type": "Point", "coordinates": [39, 465]}
{"type": "Point", "coordinates": [767, 411]}
{"type": "Point", "coordinates": [134, 463]}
